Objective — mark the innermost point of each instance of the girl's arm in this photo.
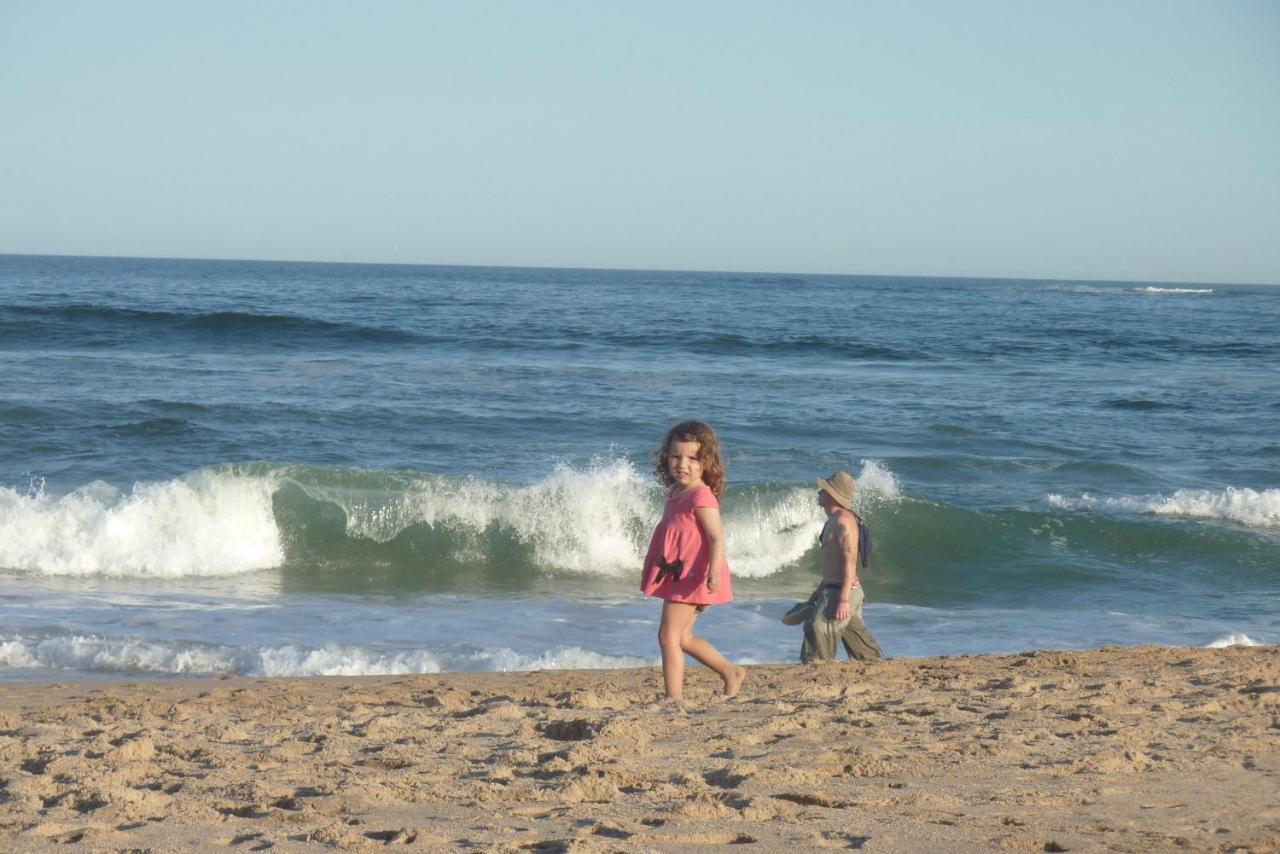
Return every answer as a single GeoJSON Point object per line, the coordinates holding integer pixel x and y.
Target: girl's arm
{"type": "Point", "coordinates": [709, 520]}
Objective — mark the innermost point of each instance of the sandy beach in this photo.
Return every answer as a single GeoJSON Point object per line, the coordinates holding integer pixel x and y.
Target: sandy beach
{"type": "Point", "coordinates": [1144, 749]}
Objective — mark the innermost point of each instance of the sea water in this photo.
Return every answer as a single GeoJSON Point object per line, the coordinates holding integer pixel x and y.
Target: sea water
{"type": "Point", "coordinates": [257, 468]}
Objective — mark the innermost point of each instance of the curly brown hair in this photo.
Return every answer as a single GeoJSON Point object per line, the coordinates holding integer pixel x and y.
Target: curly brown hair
{"type": "Point", "coordinates": [713, 474]}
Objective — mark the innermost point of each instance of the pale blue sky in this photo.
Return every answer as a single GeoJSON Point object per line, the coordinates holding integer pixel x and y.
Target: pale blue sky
{"type": "Point", "coordinates": [1097, 140]}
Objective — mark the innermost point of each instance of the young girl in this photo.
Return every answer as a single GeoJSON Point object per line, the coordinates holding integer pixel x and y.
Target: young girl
{"type": "Point", "coordinates": [685, 565]}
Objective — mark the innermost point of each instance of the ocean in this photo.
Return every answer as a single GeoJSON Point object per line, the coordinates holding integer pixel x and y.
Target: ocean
{"type": "Point", "coordinates": [294, 469]}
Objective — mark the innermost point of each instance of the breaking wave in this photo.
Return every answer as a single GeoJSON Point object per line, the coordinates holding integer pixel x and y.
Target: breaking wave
{"type": "Point", "coordinates": [230, 520]}
{"type": "Point", "coordinates": [1242, 506]}
{"type": "Point", "coordinates": [207, 524]}
{"type": "Point", "coordinates": [1189, 291]}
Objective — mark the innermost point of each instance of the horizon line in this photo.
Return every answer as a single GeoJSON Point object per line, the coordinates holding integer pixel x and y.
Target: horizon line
{"type": "Point", "coordinates": [1063, 279]}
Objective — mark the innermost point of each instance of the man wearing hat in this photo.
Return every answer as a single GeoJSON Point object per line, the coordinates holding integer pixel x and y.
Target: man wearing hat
{"type": "Point", "coordinates": [834, 611]}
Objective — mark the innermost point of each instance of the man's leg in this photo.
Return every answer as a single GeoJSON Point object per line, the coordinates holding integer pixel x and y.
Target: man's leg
{"type": "Point", "coordinates": [822, 630]}
{"type": "Point", "coordinates": [856, 637]}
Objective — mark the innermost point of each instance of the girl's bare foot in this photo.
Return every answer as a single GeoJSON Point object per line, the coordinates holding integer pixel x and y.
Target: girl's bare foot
{"type": "Point", "coordinates": [734, 681]}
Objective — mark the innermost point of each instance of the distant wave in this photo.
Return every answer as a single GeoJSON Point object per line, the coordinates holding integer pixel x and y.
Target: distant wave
{"type": "Point", "coordinates": [799, 345]}
{"type": "Point", "coordinates": [89, 325]}
{"type": "Point", "coordinates": [1141, 404]}
{"type": "Point", "coordinates": [124, 655]}
{"type": "Point", "coordinates": [1250, 507]}
{"type": "Point", "coordinates": [1194, 291]}
{"type": "Point", "coordinates": [1119, 288]}
{"type": "Point", "coordinates": [151, 428]}
{"type": "Point", "coordinates": [727, 344]}
{"type": "Point", "coordinates": [1083, 288]}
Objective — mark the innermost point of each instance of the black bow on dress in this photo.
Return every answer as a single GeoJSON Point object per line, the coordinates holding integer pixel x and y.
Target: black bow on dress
{"type": "Point", "coordinates": [674, 569]}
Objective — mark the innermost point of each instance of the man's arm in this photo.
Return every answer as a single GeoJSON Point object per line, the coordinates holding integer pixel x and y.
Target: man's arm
{"type": "Point", "coordinates": [846, 543]}
{"type": "Point", "coordinates": [822, 547]}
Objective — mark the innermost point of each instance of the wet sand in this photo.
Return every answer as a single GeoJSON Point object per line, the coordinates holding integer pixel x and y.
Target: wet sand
{"type": "Point", "coordinates": [1146, 749]}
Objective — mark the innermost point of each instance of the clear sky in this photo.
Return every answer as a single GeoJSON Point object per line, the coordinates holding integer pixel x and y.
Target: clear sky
{"type": "Point", "coordinates": [1096, 140]}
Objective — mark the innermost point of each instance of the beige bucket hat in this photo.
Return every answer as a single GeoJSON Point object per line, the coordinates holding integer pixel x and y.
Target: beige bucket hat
{"type": "Point", "coordinates": [839, 486]}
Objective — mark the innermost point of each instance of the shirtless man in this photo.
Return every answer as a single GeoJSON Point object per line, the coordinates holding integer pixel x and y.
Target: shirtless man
{"type": "Point", "coordinates": [837, 612]}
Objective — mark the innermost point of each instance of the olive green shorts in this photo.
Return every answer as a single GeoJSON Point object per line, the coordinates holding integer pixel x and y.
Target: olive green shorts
{"type": "Point", "coordinates": [823, 633]}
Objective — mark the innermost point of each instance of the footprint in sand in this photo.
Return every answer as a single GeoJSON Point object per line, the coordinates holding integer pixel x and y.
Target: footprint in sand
{"type": "Point", "coordinates": [838, 839]}
{"type": "Point", "coordinates": [402, 836]}
{"type": "Point", "coordinates": [577, 729]}
{"type": "Point", "coordinates": [611, 831]}
{"type": "Point", "coordinates": [731, 776]}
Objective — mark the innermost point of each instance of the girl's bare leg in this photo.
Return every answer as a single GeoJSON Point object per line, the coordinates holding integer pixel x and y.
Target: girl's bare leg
{"type": "Point", "coordinates": [676, 637]}
{"type": "Point", "coordinates": [677, 621]}
{"type": "Point", "coordinates": [703, 651]}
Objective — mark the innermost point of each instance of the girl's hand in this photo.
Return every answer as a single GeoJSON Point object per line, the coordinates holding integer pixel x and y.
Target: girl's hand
{"type": "Point", "coordinates": [713, 581]}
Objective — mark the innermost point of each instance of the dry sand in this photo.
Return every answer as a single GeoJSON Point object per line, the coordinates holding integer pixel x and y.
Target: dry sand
{"type": "Point", "coordinates": [1120, 749]}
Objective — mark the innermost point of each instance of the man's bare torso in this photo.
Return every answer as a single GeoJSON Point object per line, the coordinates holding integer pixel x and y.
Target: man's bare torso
{"type": "Point", "coordinates": [839, 546]}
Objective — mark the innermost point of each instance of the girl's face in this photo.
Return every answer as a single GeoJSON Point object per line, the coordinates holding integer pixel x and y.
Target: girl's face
{"type": "Point", "coordinates": [684, 465]}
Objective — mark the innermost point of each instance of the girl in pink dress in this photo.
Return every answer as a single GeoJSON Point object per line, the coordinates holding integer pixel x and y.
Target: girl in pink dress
{"type": "Point", "coordinates": [685, 565]}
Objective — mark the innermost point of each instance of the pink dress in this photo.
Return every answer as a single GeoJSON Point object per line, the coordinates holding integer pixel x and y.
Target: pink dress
{"type": "Point", "coordinates": [679, 549]}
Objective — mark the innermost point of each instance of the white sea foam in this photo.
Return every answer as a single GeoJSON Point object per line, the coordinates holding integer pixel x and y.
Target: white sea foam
{"type": "Point", "coordinates": [1233, 639]}
{"type": "Point", "coordinates": [104, 655]}
{"type": "Point", "coordinates": [208, 524]}
{"type": "Point", "coordinates": [582, 520]}
{"type": "Point", "coordinates": [560, 658]}
{"type": "Point", "coordinates": [115, 655]}
{"type": "Point", "coordinates": [1193, 291]}
{"type": "Point", "coordinates": [335, 660]}
{"type": "Point", "coordinates": [763, 537]}
{"type": "Point", "coordinates": [1251, 507]}
{"type": "Point", "coordinates": [877, 484]}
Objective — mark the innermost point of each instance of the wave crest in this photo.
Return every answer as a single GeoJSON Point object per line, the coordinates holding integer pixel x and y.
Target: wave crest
{"type": "Point", "coordinates": [202, 525]}
{"type": "Point", "coordinates": [1243, 506]}
{"type": "Point", "coordinates": [1193, 291]}
{"type": "Point", "coordinates": [577, 520]}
